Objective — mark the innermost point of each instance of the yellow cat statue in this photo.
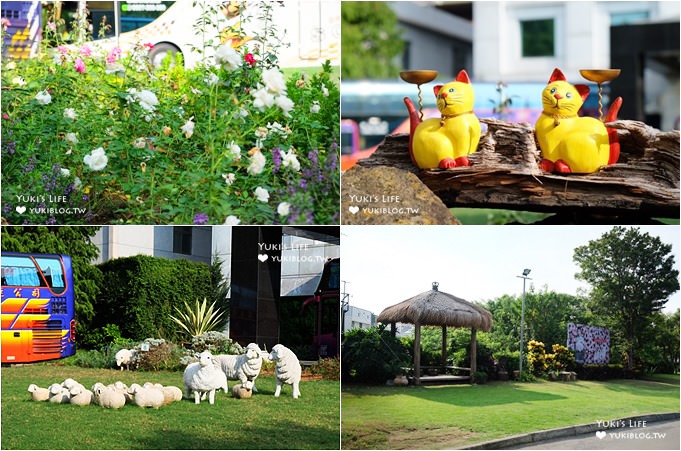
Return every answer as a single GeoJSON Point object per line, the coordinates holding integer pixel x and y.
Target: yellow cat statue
{"type": "Point", "coordinates": [446, 142]}
{"type": "Point", "coordinates": [570, 143]}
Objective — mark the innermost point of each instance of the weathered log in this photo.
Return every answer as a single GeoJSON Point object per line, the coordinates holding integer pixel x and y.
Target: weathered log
{"type": "Point", "coordinates": [504, 173]}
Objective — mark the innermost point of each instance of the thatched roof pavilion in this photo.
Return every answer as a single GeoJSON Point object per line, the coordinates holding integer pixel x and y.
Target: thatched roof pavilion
{"type": "Point", "coordinates": [435, 308]}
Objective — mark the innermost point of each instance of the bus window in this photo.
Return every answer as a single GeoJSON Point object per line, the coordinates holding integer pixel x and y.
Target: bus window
{"type": "Point", "coordinates": [52, 270]}
{"type": "Point", "coordinates": [19, 272]}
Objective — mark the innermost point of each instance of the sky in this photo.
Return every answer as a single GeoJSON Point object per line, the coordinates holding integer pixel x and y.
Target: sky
{"type": "Point", "coordinates": [384, 265]}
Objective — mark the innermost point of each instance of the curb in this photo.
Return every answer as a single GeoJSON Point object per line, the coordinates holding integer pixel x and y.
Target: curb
{"type": "Point", "coordinates": [568, 431]}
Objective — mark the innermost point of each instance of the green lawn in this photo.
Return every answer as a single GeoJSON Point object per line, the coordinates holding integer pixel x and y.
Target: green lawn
{"type": "Point", "coordinates": [438, 417]}
{"type": "Point", "coordinates": [261, 422]}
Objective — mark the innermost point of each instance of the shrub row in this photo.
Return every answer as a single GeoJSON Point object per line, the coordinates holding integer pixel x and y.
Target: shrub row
{"type": "Point", "coordinates": [138, 294]}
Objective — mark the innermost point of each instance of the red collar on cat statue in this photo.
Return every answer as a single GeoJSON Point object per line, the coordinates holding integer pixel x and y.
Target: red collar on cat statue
{"type": "Point", "coordinates": [444, 117]}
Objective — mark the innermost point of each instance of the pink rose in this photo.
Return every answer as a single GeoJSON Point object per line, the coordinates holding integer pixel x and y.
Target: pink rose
{"type": "Point", "coordinates": [80, 65]}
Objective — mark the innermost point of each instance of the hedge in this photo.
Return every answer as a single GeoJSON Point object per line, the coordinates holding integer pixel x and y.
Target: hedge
{"type": "Point", "coordinates": [138, 294]}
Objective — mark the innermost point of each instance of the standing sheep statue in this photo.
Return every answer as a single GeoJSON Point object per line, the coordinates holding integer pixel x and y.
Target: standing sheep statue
{"type": "Point", "coordinates": [244, 368]}
{"type": "Point", "coordinates": [204, 376]}
{"type": "Point", "coordinates": [124, 357]}
{"type": "Point", "coordinates": [287, 369]}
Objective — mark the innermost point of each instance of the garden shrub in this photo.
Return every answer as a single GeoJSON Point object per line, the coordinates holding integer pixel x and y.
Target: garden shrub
{"type": "Point", "coordinates": [98, 337]}
{"type": "Point", "coordinates": [508, 360]}
{"type": "Point", "coordinates": [216, 343]}
{"type": "Point", "coordinates": [562, 359]}
{"type": "Point", "coordinates": [94, 358]}
{"type": "Point", "coordinates": [590, 371]}
{"type": "Point", "coordinates": [536, 357]}
{"type": "Point", "coordinates": [138, 294]}
{"type": "Point", "coordinates": [161, 355]}
{"type": "Point", "coordinates": [480, 377]}
{"type": "Point", "coordinates": [117, 140]}
{"type": "Point", "coordinates": [372, 355]}
{"type": "Point", "coordinates": [328, 369]}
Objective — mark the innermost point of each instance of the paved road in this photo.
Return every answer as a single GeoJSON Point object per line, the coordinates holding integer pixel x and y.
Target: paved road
{"type": "Point", "coordinates": [658, 435]}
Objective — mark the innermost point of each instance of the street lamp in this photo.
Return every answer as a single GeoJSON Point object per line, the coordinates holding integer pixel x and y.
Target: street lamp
{"type": "Point", "coordinates": [526, 272]}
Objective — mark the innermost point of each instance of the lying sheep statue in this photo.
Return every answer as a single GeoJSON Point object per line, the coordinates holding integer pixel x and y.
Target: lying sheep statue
{"type": "Point", "coordinates": [39, 393]}
{"type": "Point", "coordinates": [244, 368]}
{"type": "Point", "coordinates": [147, 396]}
{"type": "Point", "coordinates": [287, 369]}
{"type": "Point", "coordinates": [204, 376]}
{"type": "Point", "coordinates": [108, 397]}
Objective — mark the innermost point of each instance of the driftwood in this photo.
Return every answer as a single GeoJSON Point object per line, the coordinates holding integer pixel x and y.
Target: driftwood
{"type": "Point", "coordinates": [504, 173]}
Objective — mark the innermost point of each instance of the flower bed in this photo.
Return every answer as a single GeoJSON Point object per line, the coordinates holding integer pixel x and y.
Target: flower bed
{"type": "Point", "coordinates": [92, 136]}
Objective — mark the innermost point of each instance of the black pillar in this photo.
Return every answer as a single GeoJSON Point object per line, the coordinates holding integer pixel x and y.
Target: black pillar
{"type": "Point", "coordinates": [255, 285]}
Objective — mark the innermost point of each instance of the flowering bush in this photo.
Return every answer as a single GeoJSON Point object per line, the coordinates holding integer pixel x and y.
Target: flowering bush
{"type": "Point", "coordinates": [93, 136]}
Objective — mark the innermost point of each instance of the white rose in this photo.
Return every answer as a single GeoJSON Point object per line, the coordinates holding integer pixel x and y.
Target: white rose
{"type": "Point", "coordinates": [289, 159]}
{"type": "Point", "coordinates": [284, 209]}
{"type": "Point", "coordinates": [325, 90]}
{"type": "Point", "coordinates": [211, 79]}
{"type": "Point", "coordinates": [96, 160]}
{"type": "Point", "coordinates": [285, 104]}
{"type": "Point", "coordinates": [314, 108]}
{"type": "Point", "coordinates": [77, 184]}
{"type": "Point", "coordinates": [274, 81]}
{"type": "Point", "coordinates": [262, 194]}
{"type": "Point", "coordinates": [232, 220]}
{"type": "Point", "coordinates": [19, 81]}
{"type": "Point", "coordinates": [263, 99]}
{"type": "Point", "coordinates": [71, 137]}
{"type": "Point", "coordinates": [257, 163]}
{"type": "Point", "coordinates": [229, 178]}
{"type": "Point", "coordinates": [69, 113]}
{"type": "Point", "coordinates": [228, 57]}
{"type": "Point", "coordinates": [147, 99]}
{"type": "Point", "coordinates": [188, 128]}
{"type": "Point", "coordinates": [43, 97]}
{"type": "Point", "coordinates": [65, 172]}
{"type": "Point", "coordinates": [234, 151]}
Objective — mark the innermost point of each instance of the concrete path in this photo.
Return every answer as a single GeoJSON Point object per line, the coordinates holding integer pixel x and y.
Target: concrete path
{"type": "Point", "coordinates": [658, 435]}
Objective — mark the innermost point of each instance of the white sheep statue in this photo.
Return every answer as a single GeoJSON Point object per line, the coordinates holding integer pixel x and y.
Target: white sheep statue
{"type": "Point", "coordinates": [287, 369]}
{"type": "Point", "coordinates": [39, 393]}
{"type": "Point", "coordinates": [81, 396]}
{"type": "Point", "coordinates": [171, 394]}
{"type": "Point", "coordinates": [108, 397]}
{"type": "Point", "coordinates": [124, 357]}
{"type": "Point", "coordinates": [204, 376]}
{"type": "Point", "coordinates": [147, 396]}
{"type": "Point", "coordinates": [59, 394]}
{"type": "Point", "coordinates": [120, 387]}
{"type": "Point", "coordinates": [244, 368]}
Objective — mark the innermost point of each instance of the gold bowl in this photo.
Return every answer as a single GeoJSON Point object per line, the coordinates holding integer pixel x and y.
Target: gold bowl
{"type": "Point", "coordinates": [418, 76]}
{"type": "Point", "coordinates": [600, 75]}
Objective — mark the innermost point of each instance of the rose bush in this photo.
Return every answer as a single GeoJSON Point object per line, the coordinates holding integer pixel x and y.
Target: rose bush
{"type": "Point", "coordinates": [94, 136]}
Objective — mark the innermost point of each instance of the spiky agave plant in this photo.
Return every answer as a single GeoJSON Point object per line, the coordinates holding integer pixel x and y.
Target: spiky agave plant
{"type": "Point", "coordinates": [199, 319]}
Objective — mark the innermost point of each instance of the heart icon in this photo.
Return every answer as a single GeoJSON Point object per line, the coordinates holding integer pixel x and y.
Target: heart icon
{"type": "Point", "coordinates": [262, 257]}
{"type": "Point", "coordinates": [353, 209]}
{"type": "Point", "coordinates": [600, 434]}
{"type": "Point", "coordinates": [21, 209]}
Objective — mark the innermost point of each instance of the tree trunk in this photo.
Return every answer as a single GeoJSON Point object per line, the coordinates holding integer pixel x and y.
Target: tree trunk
{"type": "Point", "coordinates": [474, 355]}
{"type": "Point", "coordinates": [504, 173]}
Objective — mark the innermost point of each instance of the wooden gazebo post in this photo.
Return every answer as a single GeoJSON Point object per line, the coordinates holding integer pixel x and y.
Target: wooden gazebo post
{"type": "Point", "coordinates": [417, 353]}
{"type": "Point", "coordinates": [444, 345]}
{"type": "Point", "coordinates": [474, 356]}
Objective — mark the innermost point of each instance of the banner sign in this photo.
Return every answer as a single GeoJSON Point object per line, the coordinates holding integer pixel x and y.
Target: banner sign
{"type": "Point", "coordinates": [589, 343]}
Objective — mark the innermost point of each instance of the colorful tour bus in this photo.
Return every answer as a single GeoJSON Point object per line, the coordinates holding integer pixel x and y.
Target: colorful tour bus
{"type": "Point", "coordinates": [326, 299]}
{"type": "Point", "coordinates": [38, 307]}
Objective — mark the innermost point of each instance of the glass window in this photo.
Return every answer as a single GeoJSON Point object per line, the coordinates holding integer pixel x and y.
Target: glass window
{"type": "Point", "coordinates": [538, 37]}
{"type": "Point", "coordinates": [627, 18]}
{"type": "Point", "coordinates": [19, 272]}
{"type": "Point", "coordinates": [52, 270]}
{"type": "Point", "coordinates": [182, 240]}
